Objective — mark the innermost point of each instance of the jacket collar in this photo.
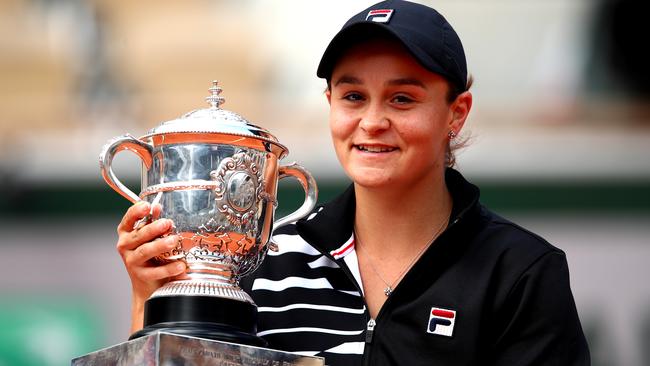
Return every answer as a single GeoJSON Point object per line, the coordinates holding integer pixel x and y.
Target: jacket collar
{"type": "Point", "coordinates": [331, 229]}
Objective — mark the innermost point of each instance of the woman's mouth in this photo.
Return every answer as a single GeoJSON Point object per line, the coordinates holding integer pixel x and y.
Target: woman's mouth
{"type": "Point", "coordinates": [374, 148]}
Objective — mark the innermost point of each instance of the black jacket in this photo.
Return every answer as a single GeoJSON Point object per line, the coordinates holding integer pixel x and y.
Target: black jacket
{"type": "Point", "coordinates": [487, 292]}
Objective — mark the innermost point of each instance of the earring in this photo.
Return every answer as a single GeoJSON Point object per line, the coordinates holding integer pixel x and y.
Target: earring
{"type": "Point", "coordinates": [452, 135]}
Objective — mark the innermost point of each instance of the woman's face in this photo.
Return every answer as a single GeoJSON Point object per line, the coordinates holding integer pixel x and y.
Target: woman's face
{"type": "Point", "coordinates": [389, 116]}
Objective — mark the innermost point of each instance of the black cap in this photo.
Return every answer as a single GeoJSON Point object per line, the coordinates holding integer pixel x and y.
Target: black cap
{"type": "Point", "coordinates": [421, 29]}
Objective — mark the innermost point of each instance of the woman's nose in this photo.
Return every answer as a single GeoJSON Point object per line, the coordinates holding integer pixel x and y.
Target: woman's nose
{"type": "Point", "coordinates": [374, 120]}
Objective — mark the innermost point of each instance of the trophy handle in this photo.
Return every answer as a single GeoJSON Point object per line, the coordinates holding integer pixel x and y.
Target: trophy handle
{"type": "Point", "coordinates": [125, 142]}
{"type": "Point", "coordinates": [308, 183]}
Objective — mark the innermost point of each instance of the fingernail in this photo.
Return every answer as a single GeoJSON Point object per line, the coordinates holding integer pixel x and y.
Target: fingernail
{"type": "Point", "coordinates": [162, 223]}
{"type": "Point", "coordinates": [171, 240]}
{"type": "Point", "coordinates": [180, 266]}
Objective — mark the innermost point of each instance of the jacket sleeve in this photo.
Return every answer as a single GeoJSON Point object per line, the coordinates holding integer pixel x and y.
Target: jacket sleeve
{"type": "Point", "coordinates": [541, 325]}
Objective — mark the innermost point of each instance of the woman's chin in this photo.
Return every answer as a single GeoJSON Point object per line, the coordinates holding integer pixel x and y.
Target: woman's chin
{"type": "Point", "coordinates": [371, 178]}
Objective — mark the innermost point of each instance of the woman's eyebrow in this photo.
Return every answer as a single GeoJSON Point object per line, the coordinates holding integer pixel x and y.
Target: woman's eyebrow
{"type": "Point", "coordinates": [406, 81]}
{"type": "Point", "coordinates": [347, 79]}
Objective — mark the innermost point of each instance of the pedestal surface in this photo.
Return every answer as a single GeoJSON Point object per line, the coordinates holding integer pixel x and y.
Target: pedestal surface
{"type": "Point", "coordinates": [166, 349]}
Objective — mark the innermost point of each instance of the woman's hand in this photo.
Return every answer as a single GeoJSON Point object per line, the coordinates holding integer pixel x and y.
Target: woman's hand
{"type": "Point", "coordinates": [137, 246]}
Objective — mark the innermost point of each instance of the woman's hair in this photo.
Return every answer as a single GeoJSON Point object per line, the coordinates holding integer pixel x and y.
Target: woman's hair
{"type": "Point", "coordinates": [460, 142]}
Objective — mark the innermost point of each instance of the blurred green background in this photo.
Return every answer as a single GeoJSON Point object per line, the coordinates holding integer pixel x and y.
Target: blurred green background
{"type": "Point", "coordinates": [559, 141]}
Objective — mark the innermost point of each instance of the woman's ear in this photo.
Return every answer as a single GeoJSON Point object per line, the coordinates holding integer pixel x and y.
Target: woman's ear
{"type": "Point", "coordinates": [460, 110]}
{"type": "Point", "coordinates": [328, 94]}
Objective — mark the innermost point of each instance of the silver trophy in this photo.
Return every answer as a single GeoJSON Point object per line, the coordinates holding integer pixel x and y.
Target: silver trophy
{"type": "Point", "coordinates": [215, 175]}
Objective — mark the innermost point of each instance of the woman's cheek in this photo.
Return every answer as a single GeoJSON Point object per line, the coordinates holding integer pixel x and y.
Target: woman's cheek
{"type": "Point", "coordinates": [341, 124]}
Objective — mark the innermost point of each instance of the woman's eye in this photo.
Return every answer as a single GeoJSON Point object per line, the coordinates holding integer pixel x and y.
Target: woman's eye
{"type": "Point", "coordinates": [402, 99]}
{"type": "Point", "coordinates": [353, 97]}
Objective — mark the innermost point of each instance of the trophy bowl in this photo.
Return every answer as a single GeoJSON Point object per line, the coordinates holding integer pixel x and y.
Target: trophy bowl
{"type": "Point", "coordinates": [215, 176]}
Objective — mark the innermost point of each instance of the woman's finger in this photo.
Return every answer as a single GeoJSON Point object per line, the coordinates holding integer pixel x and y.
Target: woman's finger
{"type": "Point", "coordinates": [133, 214]}
{"type": "Point", "coordinates": [147, 233]}
{"type": "Point", "coordinates": [141, 254]}
{"type": "Point", "coordinates": [162, 272]}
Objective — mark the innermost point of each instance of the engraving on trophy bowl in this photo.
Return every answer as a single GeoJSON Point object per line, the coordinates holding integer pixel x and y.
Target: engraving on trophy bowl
{"type": "Point", "coordinates": [241, 191]}
{"type": "Point", "coordinates": [239, 186]}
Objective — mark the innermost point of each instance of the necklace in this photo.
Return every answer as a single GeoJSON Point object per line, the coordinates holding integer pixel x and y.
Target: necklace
{"type": "Point", "coordinates": [388, 290]}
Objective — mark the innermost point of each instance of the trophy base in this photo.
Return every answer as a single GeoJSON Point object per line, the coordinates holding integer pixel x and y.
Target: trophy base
{"type": "Point", "coordinates": [202, 316]}
{"type": "Point", "coordinates": [170, 349]}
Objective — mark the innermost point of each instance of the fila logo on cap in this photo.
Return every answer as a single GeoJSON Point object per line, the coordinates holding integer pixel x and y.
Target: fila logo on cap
{"type": "Point", "coordinates": [380, 15]}
{"type": "Point", "coordinates": [441, 321]}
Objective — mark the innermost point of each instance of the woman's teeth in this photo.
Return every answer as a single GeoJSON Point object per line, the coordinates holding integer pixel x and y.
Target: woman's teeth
{"type": "Point", "coordinates": [374, 149]}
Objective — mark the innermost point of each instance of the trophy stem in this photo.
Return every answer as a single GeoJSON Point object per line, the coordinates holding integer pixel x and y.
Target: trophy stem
{"type": "Point", "coordinates": [202, 316]}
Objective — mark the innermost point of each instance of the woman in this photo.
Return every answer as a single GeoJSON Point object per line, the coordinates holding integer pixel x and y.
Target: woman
{"type": "Point", "coordinates": [406, 266]}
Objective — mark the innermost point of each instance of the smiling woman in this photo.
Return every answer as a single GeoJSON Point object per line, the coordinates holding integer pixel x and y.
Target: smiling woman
{"type": "Point", "coordinates": [406, 267]}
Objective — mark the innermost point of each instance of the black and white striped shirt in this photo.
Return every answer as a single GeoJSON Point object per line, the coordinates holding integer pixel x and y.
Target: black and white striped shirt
{"type": "Point", "coordinates": [307, 302]}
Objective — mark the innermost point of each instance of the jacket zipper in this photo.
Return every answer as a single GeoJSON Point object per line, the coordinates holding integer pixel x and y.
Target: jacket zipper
{"type": "Point", "coordinates": [370, 331]}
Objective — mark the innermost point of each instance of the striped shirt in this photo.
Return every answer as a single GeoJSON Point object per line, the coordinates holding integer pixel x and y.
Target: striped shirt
{"type": "Point", "coordinates": [307, 303]}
